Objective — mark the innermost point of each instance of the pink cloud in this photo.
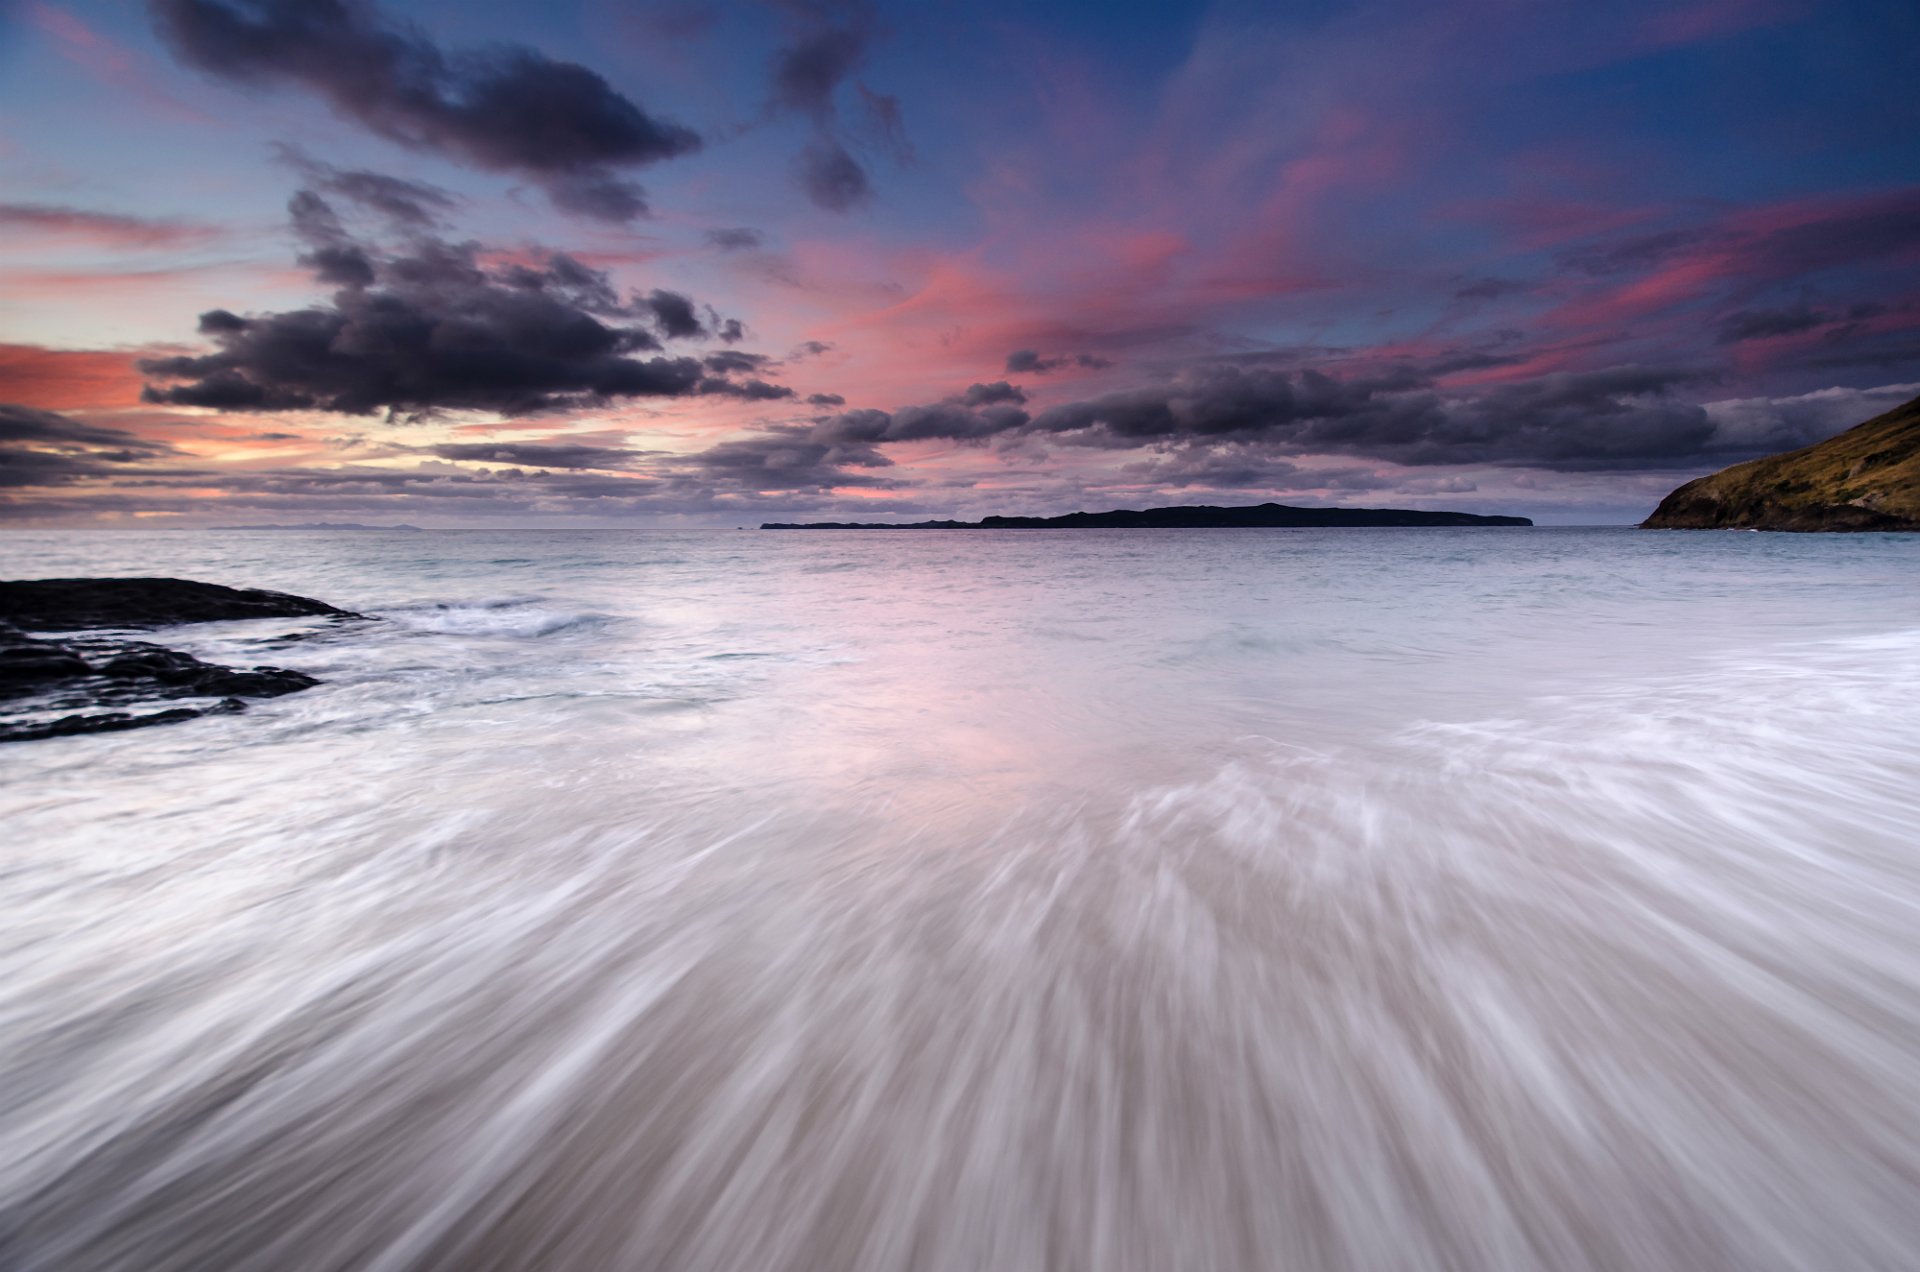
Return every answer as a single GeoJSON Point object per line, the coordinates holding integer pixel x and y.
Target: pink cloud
{"type": "Point", "coordinates": [69, 379]}
{"type": "Point", "coordinates": [36, 227]}
{"type": "Point", "coordinates": [108, 62]}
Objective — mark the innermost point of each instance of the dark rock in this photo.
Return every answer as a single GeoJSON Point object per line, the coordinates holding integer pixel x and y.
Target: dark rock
{"type": "Point", "coordinates": [66, 605]}
{"type": "Point", "coordinates": [188, 675]}
{"type": "Point", "coordinates": [26, 663]}
{"type": "Point", "coordinates": [100, 681]}
{"type": "Point", "coordinates": [103, 722]}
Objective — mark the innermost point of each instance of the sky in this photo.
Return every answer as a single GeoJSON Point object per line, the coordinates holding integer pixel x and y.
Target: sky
{"type": "Point", "coordinates": [612, 263]}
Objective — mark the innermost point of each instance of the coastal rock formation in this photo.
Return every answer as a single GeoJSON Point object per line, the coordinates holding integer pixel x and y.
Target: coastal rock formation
{"type": "Point", "coordinates": [66, 605]}
{"type": "Point", "coordinates": [1867, 478]}
{"type": "Point", "coordinates": [1192, 517]}
{"type": "Point", "coordinates": [94, 684]}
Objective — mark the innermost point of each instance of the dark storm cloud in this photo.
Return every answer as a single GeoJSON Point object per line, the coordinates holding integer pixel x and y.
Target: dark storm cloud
{"type": "Point", "coordinates": [1222, 419]}
{"type": "Point", "coordinates": [1211, 401]}
{"type": "Point", "coordinates": [1225, 429]}
{"type": "Point", "coordinates": [433, 327]}
{"type": "Point", "coordinates": [505, 108]}
{"type": "Point", "coordinates": [409, 203]}
{"type": "Point", "coordinates": [559, 276]}
{"type": "Point", "coordinates": [790, 461]}
{"type": "Point", "coordinates": [333, 256]}
{"type": "Point", "coordinates": [1621, 418]}
{"type": "Point", "coordinates": [675, 314]}
{"type": "Point", "coordinates": [832, 178]}
{"type": "Point", "coordinates": [1463, 360]}
{"type": "Point", "coordinates": [1029, 362]}
{"type": "Point", "coordinates": [1887, 357]}
{"type": "Point", "coordinates": [406, 205]}
{"type": "Point", "coordinates": [735, 238]}
{"type": "Point", "coordinates": [1758, 249]}
{"type": "Point", "coordinates": [830, 47]}
{"type": "Point", "coordinates": [1867, 230]}
{"type": "Point", "coordinates": [958, 423]}
{"type": "Point", "coordinates": [538, 454]}
{"type": "Point", "coordinates": [1240, 468]}
{"type": "Point", "coordinates": [1850, 328]}
{"type": "Point", "coordinates": [40, 448]}
{"type": "Point", "coordinates": [1763, 324]}
{"type": "Point", "coordinates": [992, 394]}
{"type": "Point", "coordinates": [731, 360]}
{"type": "Point", "coordinates": [942, 421]}
{"type": "Point", "coordinates": [1248, 468]}
{"type": "Point", "coordinates": [598, 196]}
{"type": "Point", "coordinates": [829, 40]}
{"type": "Point", "coordinates": [746, 390]}
{"type": "Point", "coordinates": [1643, 251]}
{"type": "Point", "coordinates": [26, 424]}
{"type": "Point", "coordinates": [840, 450]}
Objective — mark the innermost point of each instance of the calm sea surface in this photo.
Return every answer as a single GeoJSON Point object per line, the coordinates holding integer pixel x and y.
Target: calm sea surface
{"type": "Point", "coordinates": [1084, 900]}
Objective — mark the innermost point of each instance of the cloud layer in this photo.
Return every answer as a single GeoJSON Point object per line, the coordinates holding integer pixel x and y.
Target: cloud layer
{"type": "Point", "coordinates": [1343, 250]}
{"type": "Point", "coordinates": [505, 108]}
{"type": "Point", "coordinates": [828, 41]}
{"type": "Point", "coordinates": [39, 448]}
{"type": "Point", "coordinates": [435, 326]}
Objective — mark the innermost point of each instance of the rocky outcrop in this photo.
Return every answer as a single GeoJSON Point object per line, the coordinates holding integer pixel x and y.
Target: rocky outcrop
{"type": "Point", "coordinates": [101, 683]}
{"type": "Point", "coordinates": [67, 605]}
{"type": "Point", "coordinates": [1867, 478]}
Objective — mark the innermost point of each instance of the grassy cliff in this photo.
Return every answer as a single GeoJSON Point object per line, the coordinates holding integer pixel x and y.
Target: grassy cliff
{"type": "Point", "coordinates": [1867, 478]}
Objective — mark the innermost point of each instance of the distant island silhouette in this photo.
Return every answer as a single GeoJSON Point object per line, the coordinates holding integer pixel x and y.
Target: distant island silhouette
{"type": "Point", "coordinates": [1189, 517]}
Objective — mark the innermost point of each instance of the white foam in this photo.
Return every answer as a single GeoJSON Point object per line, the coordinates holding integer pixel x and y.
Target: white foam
{"type": "Point", "coordinates": [521, 617]}
{"type": "Point", "coordinates": [1295, 923]}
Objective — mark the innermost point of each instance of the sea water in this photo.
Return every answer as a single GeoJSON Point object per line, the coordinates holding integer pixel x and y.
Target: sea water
{"type": "Point", "coordinates": [1103, 900]}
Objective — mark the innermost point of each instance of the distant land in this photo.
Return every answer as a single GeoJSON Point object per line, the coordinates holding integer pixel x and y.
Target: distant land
{"type": "Point", "coordinates": [316, 525]}
{"type": "Point", "coordinates": [1193, 517]}
{"type": "Point", "coordinates": [1867, 478]}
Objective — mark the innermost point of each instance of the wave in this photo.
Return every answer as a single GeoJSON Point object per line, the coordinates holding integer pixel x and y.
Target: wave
{"type": "Point", "coordinates": [1619, 979]}
{"type": "Point", "coordinates": [514, 617]}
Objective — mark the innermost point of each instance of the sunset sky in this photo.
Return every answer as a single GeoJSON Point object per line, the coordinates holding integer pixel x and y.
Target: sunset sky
{"type": "Point", "coordinates": [604, 262]}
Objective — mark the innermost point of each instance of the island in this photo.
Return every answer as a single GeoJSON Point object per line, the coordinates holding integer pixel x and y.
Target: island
{"type": "Point", "coordinates": [1190, 517]}
{"type": "Point", "coordinates": [1867, 478]}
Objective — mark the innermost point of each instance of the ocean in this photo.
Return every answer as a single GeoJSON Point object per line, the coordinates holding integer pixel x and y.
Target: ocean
{"type": "Point", "coordinates": [1104, 900]}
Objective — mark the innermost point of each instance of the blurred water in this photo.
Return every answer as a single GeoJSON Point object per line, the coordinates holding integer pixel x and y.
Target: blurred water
{"type": "Point", "coordinates": [1066, 900]}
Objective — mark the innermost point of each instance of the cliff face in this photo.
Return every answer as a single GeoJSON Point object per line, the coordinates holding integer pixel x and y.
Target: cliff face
{"type": "Point", "coordinates": [1867, 478]}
